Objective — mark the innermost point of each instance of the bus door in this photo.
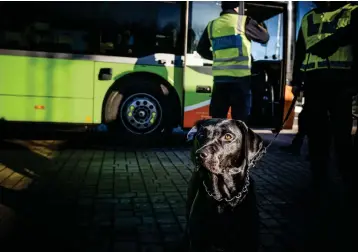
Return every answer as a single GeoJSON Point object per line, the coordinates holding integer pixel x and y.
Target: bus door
{"type": "Point", "coordinates": [267, 64]}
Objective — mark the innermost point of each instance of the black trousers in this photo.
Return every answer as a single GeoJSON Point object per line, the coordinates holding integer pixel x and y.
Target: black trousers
{"type": "Point", "coordinates": [302, 129]}
{"type": "Point", "coordinates": [236, 95]}
{"type": "Point", "coordinates": [328, 111]}
{"type": "Point", "coordinates": [356, 141]}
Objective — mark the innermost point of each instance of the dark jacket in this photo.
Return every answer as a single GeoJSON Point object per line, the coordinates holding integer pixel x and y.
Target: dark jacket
{"type": "Point", "coordinates": [253, 32]}
{"type": "Point", "coordinates": [324, 48]}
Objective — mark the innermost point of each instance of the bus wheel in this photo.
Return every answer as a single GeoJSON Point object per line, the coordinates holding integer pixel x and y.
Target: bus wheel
{"type": "Point", "coordinates": [143, 111]}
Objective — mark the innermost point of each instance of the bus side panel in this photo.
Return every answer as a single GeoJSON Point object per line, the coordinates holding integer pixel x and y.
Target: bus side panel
{"type": "Point", "coordinates": [46, 89]}
{"type": "Point", "coordinates": [196, 105]}
{"type": "Point", "coordinates": [42, 109]}
{"type": "Point", "coordinates": [173, 75]}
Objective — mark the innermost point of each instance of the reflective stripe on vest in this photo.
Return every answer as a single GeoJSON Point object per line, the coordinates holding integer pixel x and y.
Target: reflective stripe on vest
{"type": "Point", "coordinates": [325, 64]}
{"type": "Point", "coordinates": [231, 49]}
{"type": "Point", "coordinates": [316, 27]}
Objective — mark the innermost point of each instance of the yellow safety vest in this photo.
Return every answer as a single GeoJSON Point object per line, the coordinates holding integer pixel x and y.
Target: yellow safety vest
{"type": "Point", "coordinates": [316, 27]}
{"type": "Point", "coordinates": [231, 48]}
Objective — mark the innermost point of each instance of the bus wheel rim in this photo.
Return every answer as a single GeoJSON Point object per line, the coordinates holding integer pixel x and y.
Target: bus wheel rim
{"type": "Point", "coordinates": [141, 113]}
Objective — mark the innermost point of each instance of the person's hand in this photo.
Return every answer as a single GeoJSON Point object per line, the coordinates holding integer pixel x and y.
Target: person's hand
{"type": "Point", "coordinates": [296, 85]}
{"type": "Point", "coordinates": [263, 25]}
{"type": "Point", "coordinates": [296, 90]}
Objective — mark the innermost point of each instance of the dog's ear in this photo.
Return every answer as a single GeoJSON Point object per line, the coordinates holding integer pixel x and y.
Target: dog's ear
{"type": "Point", "coordinates": [254, 141]}
{"type": "Point", "coordinates": [192, 132]}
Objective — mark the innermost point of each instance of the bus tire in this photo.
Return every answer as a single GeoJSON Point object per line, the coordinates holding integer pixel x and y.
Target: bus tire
{"type": "Point", "coordinates": [143, 110]}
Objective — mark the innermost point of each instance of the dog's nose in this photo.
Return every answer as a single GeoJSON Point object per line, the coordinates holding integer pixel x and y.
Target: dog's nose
{"type": "Point", "coordinates": [202, 154]}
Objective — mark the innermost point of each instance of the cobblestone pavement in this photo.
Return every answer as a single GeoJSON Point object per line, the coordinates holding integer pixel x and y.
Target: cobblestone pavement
{"type": "Point", "coordinates": [112, 199]}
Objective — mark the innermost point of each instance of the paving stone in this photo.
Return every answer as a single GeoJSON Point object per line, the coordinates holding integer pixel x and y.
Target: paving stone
{"type": "Point", "coordinates": [149, 238]}
{"type": "Point", "coordinates": [165, 218]}
{"type": "Point", "coordinates": [124, 213]}
{"type": "Point", "coordinates": [104, 195]}
{"type": "Point", "coordinates": [125, 246]}
{"type": "Point", "coordinates": [127, 221]}
{"type": "Point", "coordinates": [151, 248]}
{"type": "Point", "coordinates": [148, 228]}
{"type": "Point", "coordinates": [106, 201]}
{"type": "Point", "coordinates": [171, 228]}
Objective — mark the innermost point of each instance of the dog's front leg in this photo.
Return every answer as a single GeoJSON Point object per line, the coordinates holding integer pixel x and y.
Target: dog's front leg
{"type": "Point", "coordinates": [195, 229]}
{"type": "Point", "coordinates": [193, 187]}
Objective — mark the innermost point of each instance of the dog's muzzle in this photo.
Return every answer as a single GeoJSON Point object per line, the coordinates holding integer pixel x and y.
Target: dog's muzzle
{"type": "Point", "coordinates": [203, 153]}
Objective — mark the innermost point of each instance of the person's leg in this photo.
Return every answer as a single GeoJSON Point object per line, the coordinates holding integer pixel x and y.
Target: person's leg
{"type": "Point", "coordinates": [240, 99]}
{"type": "Point", "coordinates": [302, 129]}
{"type": "Point", "coordinates": [342, 123]}
{"type": "Point", "coordinates": [297, 142]}
{"type": "Point", "coordinates": [318, 133]}
{"type": "Point", "coordinates": [220, 103]}
{"type": "Point", "coordinates": [319, 136]}
{"type": "Point", "coordinates": [300, 136]}
{"type": "Point", "coordinates": [355, 147]}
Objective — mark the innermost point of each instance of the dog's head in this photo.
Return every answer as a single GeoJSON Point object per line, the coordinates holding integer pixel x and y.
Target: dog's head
{"type": "Point", "coordinates": [223, 146]}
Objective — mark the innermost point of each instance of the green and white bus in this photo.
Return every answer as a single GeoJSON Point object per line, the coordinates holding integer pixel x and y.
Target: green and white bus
{"type": "Point", "coordinates": [130, 65]}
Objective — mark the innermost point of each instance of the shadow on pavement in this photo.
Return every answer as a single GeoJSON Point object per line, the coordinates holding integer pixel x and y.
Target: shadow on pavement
{"type": "Point", "coordinates": [41, 203]}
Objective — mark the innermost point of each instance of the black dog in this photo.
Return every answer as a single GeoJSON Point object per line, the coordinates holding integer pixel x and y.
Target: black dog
{"type": "Point", "coordinates": [221, 204]}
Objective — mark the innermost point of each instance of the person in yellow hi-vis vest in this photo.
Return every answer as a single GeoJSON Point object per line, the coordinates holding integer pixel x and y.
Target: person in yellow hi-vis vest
{"type": "Point", "coordinates": [326, 71]}
{"type": "Point", "coordinates": [229, 38]}
{"type": "Point", "coordinates": [326, 62]}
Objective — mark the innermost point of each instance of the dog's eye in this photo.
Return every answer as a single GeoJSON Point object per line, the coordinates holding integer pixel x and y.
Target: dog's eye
{"type": "Point", "coordinates": [228, 137]}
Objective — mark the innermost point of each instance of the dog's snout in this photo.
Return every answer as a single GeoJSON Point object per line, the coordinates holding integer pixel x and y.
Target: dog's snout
{"type": "Point", "coordinates": [202, 154]}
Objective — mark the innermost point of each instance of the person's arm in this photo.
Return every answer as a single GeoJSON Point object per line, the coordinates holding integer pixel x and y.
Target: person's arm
{"type": "Point", "coordinates": [204, 45]}
{"type": "Point", "coordinates": [256, 32]}
{"type": "Point", "coordinates": [345, 36]}
{"type": "Point", "coordinates": [300, 54]}
{"type": "Point", "coordinates": [341, 37]}
{"type": "Point", "coordinates": [355, 44]}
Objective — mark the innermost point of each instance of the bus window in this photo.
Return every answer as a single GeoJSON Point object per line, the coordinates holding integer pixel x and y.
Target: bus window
{"type": "Point", "coordinates": [45, 26]}
{"type": "Point", "coordinates": [199, 16]}
{"type": "Point", "coordinates": [148, 28]}
{"type": "Point", "coordinates": [169, 29]}
{"type": "Point", "coordinates": [132, 29]}
{"type": "Point", "coordinates": [273, 50]}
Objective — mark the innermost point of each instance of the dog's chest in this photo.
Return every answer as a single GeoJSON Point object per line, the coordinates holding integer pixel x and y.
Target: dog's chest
{"type": "Point", "coordinates": [227, 228]}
